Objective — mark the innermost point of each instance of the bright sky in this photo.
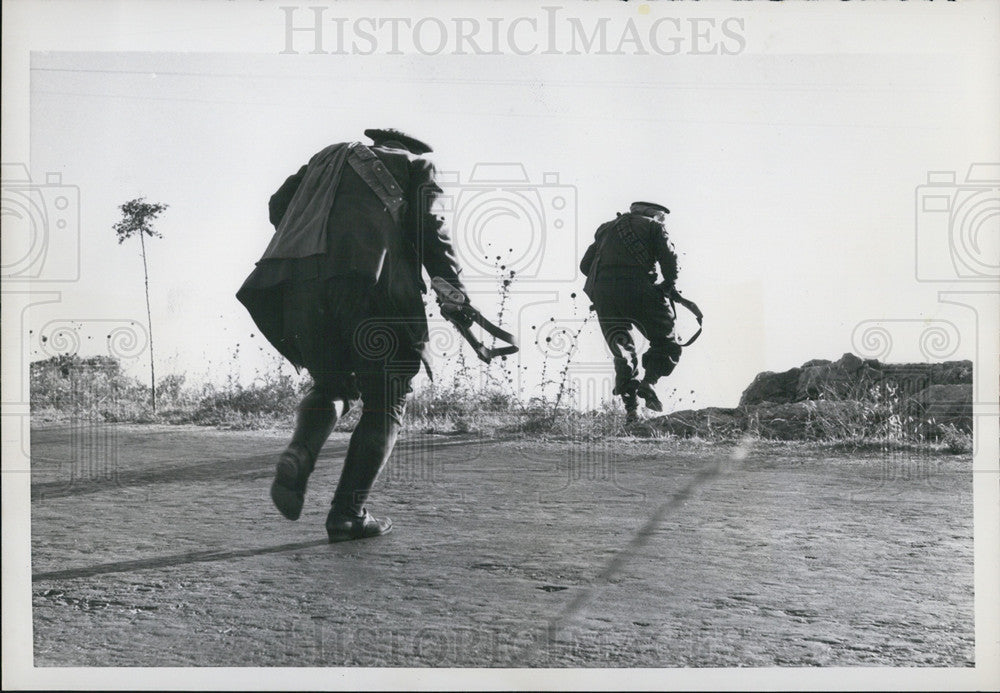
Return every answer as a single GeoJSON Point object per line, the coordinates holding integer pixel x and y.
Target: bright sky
{"type": "Point", "coordinates": [791, 174]}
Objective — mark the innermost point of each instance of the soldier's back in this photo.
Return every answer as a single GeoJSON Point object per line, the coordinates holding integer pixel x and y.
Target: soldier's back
{"type": "Point", "coordinates": [620, 256]}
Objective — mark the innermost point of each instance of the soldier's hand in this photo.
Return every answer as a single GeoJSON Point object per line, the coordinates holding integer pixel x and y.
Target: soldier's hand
{"type": "Point", "coordinates": [452, 312]}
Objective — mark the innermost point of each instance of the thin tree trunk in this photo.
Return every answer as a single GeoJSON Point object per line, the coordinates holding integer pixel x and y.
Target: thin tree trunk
{"type": "Point", "coordinates": [149, 319]}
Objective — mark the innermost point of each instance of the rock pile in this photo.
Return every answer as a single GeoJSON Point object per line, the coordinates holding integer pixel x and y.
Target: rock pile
{"type": "Point", "coordinates": [848, 397]}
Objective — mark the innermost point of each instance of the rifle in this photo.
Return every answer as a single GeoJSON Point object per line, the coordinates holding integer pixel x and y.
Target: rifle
{"type": "Point", "coordinates": [456, 309]}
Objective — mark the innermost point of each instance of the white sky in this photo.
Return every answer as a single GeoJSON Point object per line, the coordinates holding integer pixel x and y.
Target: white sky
{"type": "Point", "coordinates": [790, 174]}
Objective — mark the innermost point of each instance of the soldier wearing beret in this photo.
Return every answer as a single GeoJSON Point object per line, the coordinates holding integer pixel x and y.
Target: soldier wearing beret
{"type": "Point", "coordinates": [620, 266]}
{"type": "Point", "coordinates": [339, 292]}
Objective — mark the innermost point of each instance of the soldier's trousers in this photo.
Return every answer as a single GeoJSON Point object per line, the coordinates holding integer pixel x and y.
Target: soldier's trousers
{"type": "Point", "coordinates": [627, 302]}
{"type": "Point", "coordinates": [352, 347]}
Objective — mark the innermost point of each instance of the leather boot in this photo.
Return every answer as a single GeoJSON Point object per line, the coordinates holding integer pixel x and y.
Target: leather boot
{"type": "Point", "coordinates": [648, 394]}
{"type": "Point", "coordinates": [347, 528]}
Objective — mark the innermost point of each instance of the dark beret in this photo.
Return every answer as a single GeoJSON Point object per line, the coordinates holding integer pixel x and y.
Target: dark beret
{"type": "Point", "coordinates": [380, 135]}
{"type": "Point", "coordinates": [647, 208]}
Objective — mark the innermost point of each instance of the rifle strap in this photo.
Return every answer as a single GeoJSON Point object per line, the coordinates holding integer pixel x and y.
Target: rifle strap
{"type": "Point", "coordinates": [691, 306]}
{"type": "Point", "coordinates": [379, 179]}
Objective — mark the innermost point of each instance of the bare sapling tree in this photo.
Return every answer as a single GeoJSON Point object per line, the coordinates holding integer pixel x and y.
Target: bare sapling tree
{"type": "Point", "coordinates": [137, 220]}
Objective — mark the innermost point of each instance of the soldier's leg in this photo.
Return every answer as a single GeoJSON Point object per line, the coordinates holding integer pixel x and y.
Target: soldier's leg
{"type": "Point", "coordinates": [618, 336]}
{"type": "Point", "coordinates": [658, 361]}
{"type": "Point", "coordinates": [315, 313]}
{"type": "Point", "coordinates": [626, 386]}
{"type": "Point", "coordinates": [384, 395]}
{"type": "Point", "coordinates": [661, 357]}
{"type": "Point", "coordinates": [315, 418]}
{"type": "Point", "coordinates": [664, 352]}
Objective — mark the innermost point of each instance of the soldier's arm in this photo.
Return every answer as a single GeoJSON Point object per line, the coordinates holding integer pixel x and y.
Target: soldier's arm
{"type": "Point", "coordinates": [587, 263]}
{"type": "Point", "coordinates": [280, 200]}
{"type": "Point", "coordinates": [436, 252]}
{"type": "Point", "coordinates": [588, 259]}
{"type": "Point", "coordinates": [666, 256]}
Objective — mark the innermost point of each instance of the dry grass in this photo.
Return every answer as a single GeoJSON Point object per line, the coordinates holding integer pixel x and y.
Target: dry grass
{"type": "Point", "coordinates": [95, 389]}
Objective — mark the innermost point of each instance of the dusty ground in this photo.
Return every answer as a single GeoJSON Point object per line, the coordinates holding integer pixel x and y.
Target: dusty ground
{"type": "Point", "coordinates": [157, 546]}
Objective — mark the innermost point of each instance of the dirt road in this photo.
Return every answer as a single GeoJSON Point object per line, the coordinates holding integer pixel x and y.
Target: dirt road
{"type": "Point", "coordinates": [158, 546]}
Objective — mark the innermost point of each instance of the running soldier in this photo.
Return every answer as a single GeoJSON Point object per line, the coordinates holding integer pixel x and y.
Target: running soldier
{"type": "Point", "coordinates": [620, 266]}
{"type": "Point", "coordinates": [339, 292]}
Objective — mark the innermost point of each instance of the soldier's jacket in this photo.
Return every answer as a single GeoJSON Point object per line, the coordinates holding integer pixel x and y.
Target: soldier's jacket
{"type": "Point", "coordinates": [609, 256]}
{"type": "Point", "coordinates": [330, 223]}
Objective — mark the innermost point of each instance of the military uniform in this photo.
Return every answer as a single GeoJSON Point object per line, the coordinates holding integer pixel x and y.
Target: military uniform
{"type": "Point", "coordinates": [339, 292]}
{"type": "Point", "coordinates": [620, 266]}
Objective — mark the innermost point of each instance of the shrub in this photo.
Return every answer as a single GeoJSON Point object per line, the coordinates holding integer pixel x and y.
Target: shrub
{"type": "Point", "coordinates": [955, 440]}
{"type": "Point", "coordinates": [87, 388]}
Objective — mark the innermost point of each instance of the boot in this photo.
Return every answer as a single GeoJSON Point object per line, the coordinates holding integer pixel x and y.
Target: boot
{"type": "Point", "coordinates": [625, 387]}
{"type": "Point", "coordinates": [648, 394]}
{"type": "Point", "coordinates": [348, 527]}
{"type": "Point", "coordinates": [288, 490]}
{"type": "Point", "coordinates": [631, 402]}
